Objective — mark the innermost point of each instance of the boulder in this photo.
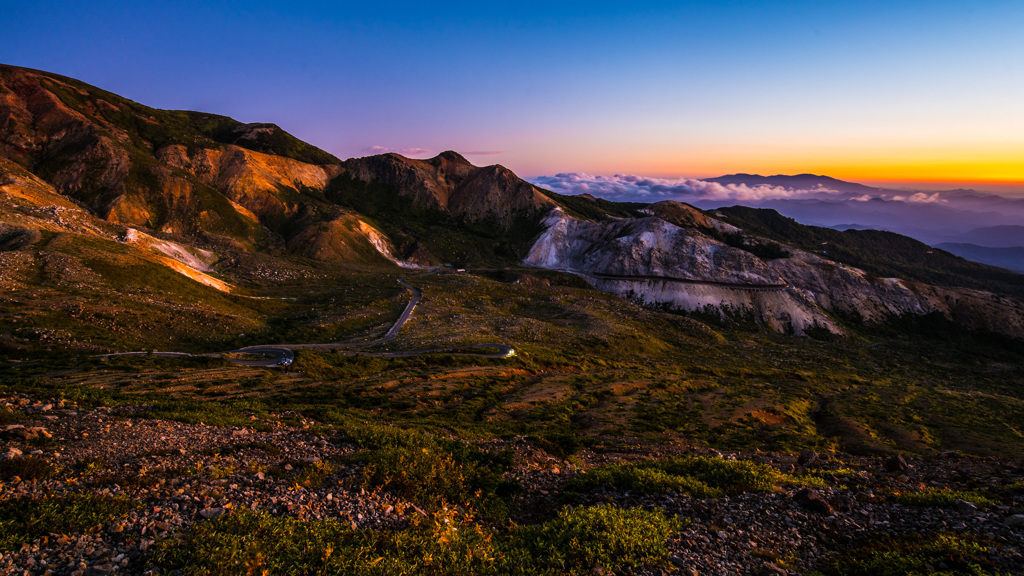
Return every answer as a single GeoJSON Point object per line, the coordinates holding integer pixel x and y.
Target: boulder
{"type": "Point", "coordinates": [810, 500]}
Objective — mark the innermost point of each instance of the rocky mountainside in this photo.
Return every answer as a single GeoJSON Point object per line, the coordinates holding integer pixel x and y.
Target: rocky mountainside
{"type": "Point", "coordinates": [200, 190]}
{"type": "Point", "coordinates": [211, 179]}
{"type": "Point", "coordinates": [448, 182]}
{"type": "Point", "coordinates": [706, 265]}
{"type": "Point", "coordinates": [175, 172]}
{"type": "Point", "coordinates": [214, 184]}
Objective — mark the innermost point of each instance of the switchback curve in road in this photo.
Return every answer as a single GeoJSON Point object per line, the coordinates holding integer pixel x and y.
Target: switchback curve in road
{"type": "Point", "coordinates": [283, 354]}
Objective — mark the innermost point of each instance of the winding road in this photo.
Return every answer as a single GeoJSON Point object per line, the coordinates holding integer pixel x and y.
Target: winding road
{"type": "Point", "coordinates": [280, 355]}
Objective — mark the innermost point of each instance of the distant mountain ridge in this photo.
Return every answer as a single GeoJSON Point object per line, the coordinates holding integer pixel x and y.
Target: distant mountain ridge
{"type": "Point", "coordinates": [797, 182]}
{"type": "Point", "coordinates": [1005, 236]}
{"type": "Point", "coordinates": [1011, 258]}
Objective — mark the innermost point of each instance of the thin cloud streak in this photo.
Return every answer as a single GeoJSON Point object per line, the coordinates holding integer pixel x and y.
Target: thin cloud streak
{"type": "Point", "coordinates": [374, 150]}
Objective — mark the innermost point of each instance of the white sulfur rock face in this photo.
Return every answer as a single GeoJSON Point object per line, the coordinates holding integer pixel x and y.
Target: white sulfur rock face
{"type": "Point", "coordinates": [643, 247]}
{"type": "Point", "coordinates": [654, 262]}
{"type": "Point", "coordinates": [381, 244]}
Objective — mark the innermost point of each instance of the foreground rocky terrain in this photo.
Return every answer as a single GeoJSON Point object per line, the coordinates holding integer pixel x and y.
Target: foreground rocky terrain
{"type": "Point", "coordinates": [177, 476]}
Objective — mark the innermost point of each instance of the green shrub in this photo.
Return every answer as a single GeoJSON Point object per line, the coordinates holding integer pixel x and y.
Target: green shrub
{"type": "Point", "coordinates": [701, 477]}
{"type": "Point", "coordinates": [646, 480]}
{"type": "Point", "coordinates": [942, 497]}
{"type": "Point", "coordinates": [731, 476]}
{"type": "Point", "coordinates": [562, 444]}
{"type": "Point", "coordinates": [432, 471]}
{"type": "Point", "coordinates": [314, 475]}
{"type": "Point", "coordinates": [916, 556]}
{"type": "Point", "coordinates": [90, 464]}
{"type": "Point", "coordinates": [581, 539]}
{"type": "Point", "coordinates": [28, 468]}
{"type": "Point", "coordinates": [447, 542]}
{"type": "Point", "coordinates": [802, 480]}
{"type": "Point", "coordinates": [9, 416]}
{"type": "Point", "coordinates": [24, 519]}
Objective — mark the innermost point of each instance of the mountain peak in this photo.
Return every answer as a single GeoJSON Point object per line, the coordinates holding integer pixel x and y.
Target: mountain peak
{"type": "Point", "coordinates": [450, 156]}
{"type": "Point", "coordinates": [451, 183]}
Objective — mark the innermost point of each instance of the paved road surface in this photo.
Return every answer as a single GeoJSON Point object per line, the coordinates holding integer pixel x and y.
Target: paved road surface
{"type": "Point", "coordinates": [627, 277]}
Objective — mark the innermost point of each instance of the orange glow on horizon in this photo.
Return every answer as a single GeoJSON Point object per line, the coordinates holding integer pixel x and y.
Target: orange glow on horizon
{"type": "Point", "coordinates": [999, 169]}
{"type": "Point", "coordinates": [998, 165]}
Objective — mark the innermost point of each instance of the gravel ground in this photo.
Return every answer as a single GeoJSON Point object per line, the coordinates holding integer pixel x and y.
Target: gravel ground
{"type": "Point", "coordinates": [181, 474]}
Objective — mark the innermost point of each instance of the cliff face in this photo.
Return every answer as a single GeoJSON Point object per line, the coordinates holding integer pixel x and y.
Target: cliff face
{"type": "Point", "coordinates": [76, 161]}
{"type": "Point", "coordinates": [211, 179]}
{"type": "Point", "coordinates": [256, 182]}
{"type": "Point", "coordinates": [179, 172]}
{"type": "Point", "coordinates": [659, 263]}
{"type": "Point", "coordinates": [655, 262]}
{"type": "Point", "coordinates": [644, 247]}
{"type": "Point", "coordinates": [448, 182]}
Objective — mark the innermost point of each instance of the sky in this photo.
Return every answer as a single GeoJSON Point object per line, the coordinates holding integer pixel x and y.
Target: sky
{"type": "Point", "coordinates": [923, 92]}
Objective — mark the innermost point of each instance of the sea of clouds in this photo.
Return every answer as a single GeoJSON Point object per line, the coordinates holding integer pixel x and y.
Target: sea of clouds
{"type": "Point", "coordinates": [631, 188]}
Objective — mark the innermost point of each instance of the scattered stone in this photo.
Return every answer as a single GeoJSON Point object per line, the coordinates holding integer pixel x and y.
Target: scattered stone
{"type": "Point", "coordinates": [209, 513]}
{"type": "Point", "coordinates": [20, 432]}
{"type": "Point", "coordinates": [738, 534]}
{"type": "Point", "coordinates": [895, 464]}
{"type": "Point", "coordinates": [965, 507]}
{"type": "Point", "coordinates": [807, 457]}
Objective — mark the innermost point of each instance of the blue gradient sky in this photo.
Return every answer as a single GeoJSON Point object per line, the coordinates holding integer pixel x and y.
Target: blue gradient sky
{"type": "Point", "coordinates": [861, 90]}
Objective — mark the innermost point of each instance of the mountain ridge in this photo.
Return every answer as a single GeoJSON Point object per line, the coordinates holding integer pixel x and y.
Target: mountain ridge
{"type": "Point", "coordinates": [198, 183]}
{"type": "Point", "coordinates": [796, 181]}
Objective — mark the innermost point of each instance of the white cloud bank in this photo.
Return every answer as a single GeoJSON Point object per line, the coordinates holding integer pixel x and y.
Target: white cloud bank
{"type": "Point", "coordinates": [631, 188]}
{"type": "Point", "coordinates": [627, 187]}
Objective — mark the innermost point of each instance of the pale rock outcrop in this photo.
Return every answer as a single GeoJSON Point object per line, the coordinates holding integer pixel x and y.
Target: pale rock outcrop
{"type": "Point", "coordinates": [655, 262]}
{"type": "Point", "coordinates": [658, 263]}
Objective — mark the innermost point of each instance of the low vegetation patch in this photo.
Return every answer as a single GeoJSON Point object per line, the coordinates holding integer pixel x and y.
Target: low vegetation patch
{"type": "Point", "coordinates": [314, 475]}
{"type": "Point", "coordinates": [917, 555]}
{"type": "Point", "coordinates": [942, 497]}
{"type": "Point", "coordinates": [446, 542]}
{"type": "Point", "coordinates": [28, 468]}
{"type": "Point", "coordinates": [11, 416]}
{"type": "Point", "coordinates": [25, 519]}
{"type": "Point", "coordinates": [700, 477]}
{"type": "Point", "coordinates": [582, 539]}
{"type": "Point", "coordinates": [431, 471]}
